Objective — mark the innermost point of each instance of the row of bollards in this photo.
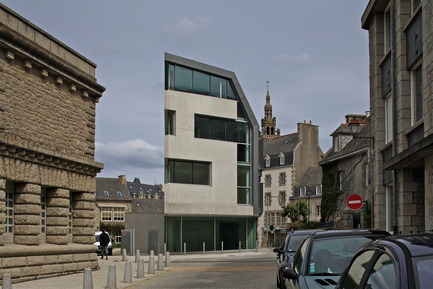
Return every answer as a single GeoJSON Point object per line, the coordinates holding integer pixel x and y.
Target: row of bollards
{"type": "Point", "coordinates": [111, 277]}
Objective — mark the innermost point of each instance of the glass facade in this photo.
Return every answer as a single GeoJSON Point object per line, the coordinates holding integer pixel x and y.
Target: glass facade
{"type": "Point", "coordinates": [210, 234]}
{"type": "Point", "coordinates": [188, 80]}
{"type": "Point", "coordinates": [189, 172]}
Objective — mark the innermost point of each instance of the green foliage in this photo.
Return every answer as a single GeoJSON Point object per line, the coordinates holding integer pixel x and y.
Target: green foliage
{"type": "Point", "coordinates": [297, 212]}
{"type": "Point", "coordinates": [366, 216]}
{"type": "Point", "coordinates": [330, 191]}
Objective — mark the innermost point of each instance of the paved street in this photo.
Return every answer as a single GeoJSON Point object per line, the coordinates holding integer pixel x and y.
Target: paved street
{"type": "Point", "coordinates": [253, 270]}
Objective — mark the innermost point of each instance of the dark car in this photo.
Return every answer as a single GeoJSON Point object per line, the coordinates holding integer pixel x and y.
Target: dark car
{"type": "Point", "coordinates": [286, 252]}
{"type": "Point", "coordinates": [404, 262]}
{"type": "Point", "coordinates": [322, 257]}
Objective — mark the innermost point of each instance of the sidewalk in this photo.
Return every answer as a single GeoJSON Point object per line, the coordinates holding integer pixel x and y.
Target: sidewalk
{"type": "Point", "coordinates": [100, 276]}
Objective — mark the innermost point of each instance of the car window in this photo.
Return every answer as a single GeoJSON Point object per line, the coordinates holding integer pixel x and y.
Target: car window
{"type": "Point", "coordinates": [300, 256]}
{"type": "Point", "coordinates": [331, 255]}
{"type": "Point", "coordinates": [294, 242]}
{"type": "Point", "coordinates": [383, 274]}
{"type": "Point", "coordinates": [424, 272]}
{"type": "Point", "coordinates": [356, 270]}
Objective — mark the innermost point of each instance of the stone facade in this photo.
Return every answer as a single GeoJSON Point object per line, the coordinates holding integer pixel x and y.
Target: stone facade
{"type": "Point", "coordinates": [401, 113]}
{"type": "Point", "coordinates": [48, 95]}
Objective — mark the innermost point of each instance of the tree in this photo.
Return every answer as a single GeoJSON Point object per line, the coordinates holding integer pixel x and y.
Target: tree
{"type": "Point", "coordinates": [297, 212]}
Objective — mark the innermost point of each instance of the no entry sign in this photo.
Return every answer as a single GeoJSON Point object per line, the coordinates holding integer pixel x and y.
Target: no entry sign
{"type": "Point", "coordinates": [354, 202]}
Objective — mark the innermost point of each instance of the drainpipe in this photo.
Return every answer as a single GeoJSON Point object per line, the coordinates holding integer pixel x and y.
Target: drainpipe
{"type": "Point", "coordinates": [394, 119]}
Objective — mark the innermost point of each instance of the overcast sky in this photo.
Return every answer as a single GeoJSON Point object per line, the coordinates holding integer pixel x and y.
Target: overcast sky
{"type": "Point", "coordinates": [313, 52]}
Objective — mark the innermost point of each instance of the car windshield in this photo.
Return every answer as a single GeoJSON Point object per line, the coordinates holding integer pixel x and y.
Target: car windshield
{"type": "Point", "coordinates": [330, 256]}
{"type": "Point", "coordinates": [294, 242]}
{"type": "Point", "coordinates": [423, 267]}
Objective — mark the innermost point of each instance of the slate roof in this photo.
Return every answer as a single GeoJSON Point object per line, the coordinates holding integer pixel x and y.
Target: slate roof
{"type": "Point", "coordinates": [111, 186]}
{"type": "Point", "coordinates": [136, 187]}
{"type": "Point", "coordinates": [147, 206]}
{"type": "Point", "coordinates": [274, 146]}
{"type": "Point", "coordinates": [359, 143]}
{"type": "Point", "coordinates": [312, 177]}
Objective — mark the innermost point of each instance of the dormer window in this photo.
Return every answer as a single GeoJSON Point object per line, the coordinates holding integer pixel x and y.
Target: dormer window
{"type": "Point", "coordinates": [106, 194]}
{"type": "Point", "coordinates": [282, 159]}
{"type": "Point", "coordinates": [267, 161]}
{"type": "Point", "coordinates": [119, 194]}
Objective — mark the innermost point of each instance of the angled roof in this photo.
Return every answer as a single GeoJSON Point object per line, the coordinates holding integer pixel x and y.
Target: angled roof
{"type": "Point", "coordinates": [137, 189]}
{"type": "Point", "coordinates": [312, 177]}
{"type": "Point", "coordinates": [147, 206]}
{"type": "Point", "coordinates": [359, 143]}
{"type": "Point", "coordinates": [111, 189]}
{"type": "Point", "coordinates": [272, 147]}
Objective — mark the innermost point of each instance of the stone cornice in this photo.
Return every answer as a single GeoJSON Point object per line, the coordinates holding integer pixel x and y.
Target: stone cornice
{"type": "Point", "coordinates": [52, 159]}
{"type": "Point", "coordinates": [36, 56]}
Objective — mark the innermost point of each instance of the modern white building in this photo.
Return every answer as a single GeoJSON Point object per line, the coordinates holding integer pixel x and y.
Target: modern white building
{"type": "Point", "coordinates": [211, 152]}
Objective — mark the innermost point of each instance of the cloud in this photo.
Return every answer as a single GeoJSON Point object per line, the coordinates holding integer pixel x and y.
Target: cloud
{"type": "Point", "coordinates": [187, 25]}
{"type": "Point", "coordinates": [130, 154]}
{"type": "Point", "coordinates": [284, 57]}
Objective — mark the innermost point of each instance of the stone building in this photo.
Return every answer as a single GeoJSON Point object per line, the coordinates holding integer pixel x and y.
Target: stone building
{"type": "Point", "coordinates": [289, 166]}
{"type": "Point", "coordinates": [348, 162]}
{"type": "Point", "coordinates": [48, 94]}
{"type": "Point", "coordinates": [400, 38]}
{"type": "Point", "coordinates": [269, 122]}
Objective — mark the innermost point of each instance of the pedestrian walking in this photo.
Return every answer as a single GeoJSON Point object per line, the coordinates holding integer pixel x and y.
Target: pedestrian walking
{"type": "Point", "coordinates": [104, 240]}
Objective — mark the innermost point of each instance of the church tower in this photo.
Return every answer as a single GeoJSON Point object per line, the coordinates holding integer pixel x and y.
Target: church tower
{"type": "Point", "coordinates": [269, 123]}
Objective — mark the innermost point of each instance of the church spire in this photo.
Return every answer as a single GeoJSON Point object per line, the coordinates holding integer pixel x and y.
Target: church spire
{"type": "Point", "coordinates": [268, 122]}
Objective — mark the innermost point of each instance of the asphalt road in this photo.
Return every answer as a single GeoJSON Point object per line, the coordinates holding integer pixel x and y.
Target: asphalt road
{"type": "Point", "coordinates": [251, 270]}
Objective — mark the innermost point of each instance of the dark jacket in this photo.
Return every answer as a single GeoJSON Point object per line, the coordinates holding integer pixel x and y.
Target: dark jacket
{"type": "Point", "coordinates": [104, 239]}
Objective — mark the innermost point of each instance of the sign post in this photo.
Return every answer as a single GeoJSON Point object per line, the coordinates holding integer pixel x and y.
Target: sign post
{"type": "Point", "coordinates": [354, 202]}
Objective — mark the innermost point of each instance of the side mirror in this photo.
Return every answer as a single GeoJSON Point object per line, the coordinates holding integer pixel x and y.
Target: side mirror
{"type": "Point", "coordinates": [290, 273]}
{"type": "Point", "coordinates": [277, 250]}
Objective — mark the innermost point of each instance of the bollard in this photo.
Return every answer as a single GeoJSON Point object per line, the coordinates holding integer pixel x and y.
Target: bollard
{"type": "Point", "coordinates": [167, 260]}
{"type": "Point", "coordinates": [222, 247]}
{"type": "Point", "coordinates": [137, 256]}
{"type": "Point", "coordinates": [240, 246]}
{"type": "Point", "coordinates": [124, 257]}
{"type": "Point", "coordinates": [111, 279]}
{"type": "Point", "coordinates": [140, 269]}
{"type": "Point", "coordinates": [160, 263]}
{"type": "Point", "coordinates": [204, 248]}
{"type": "Point", "coordinates": [151, 269]}
{"type": "Point", "coordinates": [127, 275]}
{"type": "Point", "coordinates": [7, 282]}
{"type": "Point", "coordinates": [152, 253]}
{"type": "Point", "coordinates": [184, 248]}
{"type": "Point", "coordinates": [87, 279]}
{"type": "Point", "coordinates": [165, 249]}
{"type": "Point", "coordinates": [257, 246]}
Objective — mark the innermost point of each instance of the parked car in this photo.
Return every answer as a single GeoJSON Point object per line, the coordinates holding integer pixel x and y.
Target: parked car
{"type": "Point", "coordinates": [404, 262]}
{"type": "Point", "coordinates": [286, 252]}
{"type": "Point", "coordinates": [98, 250]}
{"type": "Point", "coordinates": [322, 257]}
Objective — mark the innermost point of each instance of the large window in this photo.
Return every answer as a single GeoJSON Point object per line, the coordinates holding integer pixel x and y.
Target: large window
{"type": "Point", "coordinates": [283, 179]}
{"type": "Point", "coordinates": [189, 172]}
{"type": "Point", "coordinates": [221, 129]}
{"type": "Point", "coordinates": [416, 94]}
{"type": "Point", "coordinates": [188, 80]}
{"type": "Point", "coordinates": [244, 185]}
{"type": "Point", "coordinates": [113, 214]}
{"type": "Point", "coordinates": [9, 208]}
{"type": "Point", "coordinates": [170, 122]}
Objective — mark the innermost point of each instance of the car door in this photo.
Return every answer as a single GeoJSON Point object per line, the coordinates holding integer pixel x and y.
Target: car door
{"type": "Point", "coordinates": [298, 264]}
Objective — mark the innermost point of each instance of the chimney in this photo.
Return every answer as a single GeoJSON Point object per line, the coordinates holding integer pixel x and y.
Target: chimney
{"type": "Point", "coordinates": [122, 179]}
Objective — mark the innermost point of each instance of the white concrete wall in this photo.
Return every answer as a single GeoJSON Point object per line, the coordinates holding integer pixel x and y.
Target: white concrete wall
{"type": "Point", "coordinates": [220, 198]}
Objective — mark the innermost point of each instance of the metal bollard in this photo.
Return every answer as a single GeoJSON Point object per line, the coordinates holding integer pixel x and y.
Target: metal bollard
{"type": "Point", "coordinates": [140, 269]}
{"type": "Point", "coordinates": [111, 279]}
{"type": "Point", "coordinates": [151, 269]}
{"type": "Point", "coordinates": [87, 279]}
{"type": "Point", "coordinates": [167, 260]}
{"type": "Point", "coordinates": [165, 249]}
{"type": "Point", "coordinates": [160, 263]}
{"type": "Point", "coordinates": [7, 282]}
{"type": "Point", "coordinates": [204, 248]}
{"type": "Point", "coordinates": [137, 256]}
{"type": "Point", "coordinates": [222, 247]}
{"type": "Point", "coordinates": [184, 248]}
{"type": "Point", "coordinates": [127, 275]}
{"type": "Point", "coordinates": [240, 246]}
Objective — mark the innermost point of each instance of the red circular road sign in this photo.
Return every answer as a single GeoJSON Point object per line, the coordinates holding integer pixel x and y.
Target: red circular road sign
{"type": "Point", "coordinates": [354, 202]}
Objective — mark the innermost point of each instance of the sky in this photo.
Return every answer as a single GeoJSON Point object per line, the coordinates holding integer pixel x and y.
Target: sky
{"type": "Point", "coordinates": [314, 54]}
